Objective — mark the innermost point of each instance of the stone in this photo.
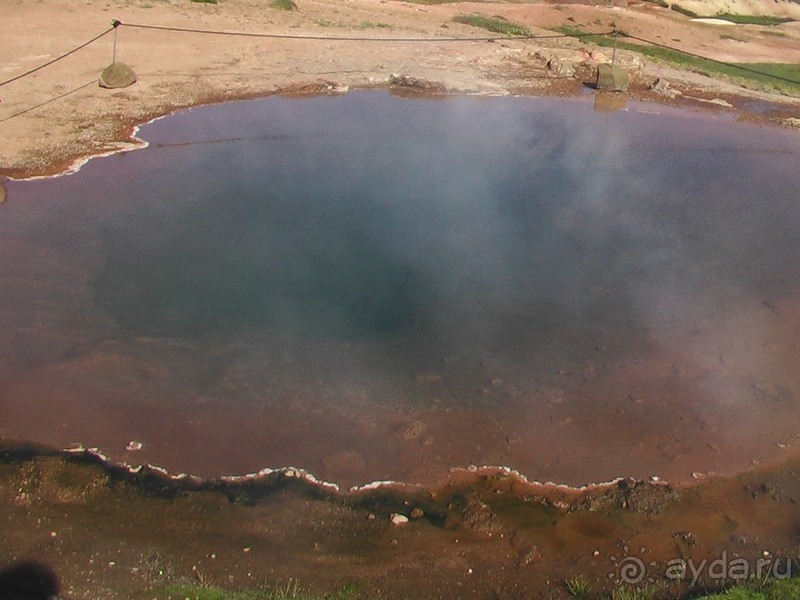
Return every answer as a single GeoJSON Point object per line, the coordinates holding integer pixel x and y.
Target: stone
{"type": "Point", "coordinates": [417, 513]}
{"type": "Point", "coordinates": [598, 57]}
{"type": "Point", "coordinates": [117, 75]}
{"type": "Point", "coordinates": [660, 85]}
{"type": "Point", "coordinates": [611, 78]}
{"type": "Point", "coordinates": [415, 85]}
{"type": "Point", "coordinates": [398, 519]}
{"type": "Point", "coordinates": [560, 68]}
{"type": "Point", "coordinates": [2, 193]}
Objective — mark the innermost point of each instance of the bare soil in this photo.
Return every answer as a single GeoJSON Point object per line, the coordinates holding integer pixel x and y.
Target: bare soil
{"type": "Point", "coordinates": [111, 534]}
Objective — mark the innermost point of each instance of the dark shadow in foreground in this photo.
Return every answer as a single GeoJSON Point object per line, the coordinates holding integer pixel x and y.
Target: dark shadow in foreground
{"type": "Point", "coordinates": [28, 580]}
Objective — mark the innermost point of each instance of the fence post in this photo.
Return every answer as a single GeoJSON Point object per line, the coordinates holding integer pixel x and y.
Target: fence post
{"type": "Point", "coordinates": [613, 53]}
{"type": "Point", "coordinates": [115, 24]}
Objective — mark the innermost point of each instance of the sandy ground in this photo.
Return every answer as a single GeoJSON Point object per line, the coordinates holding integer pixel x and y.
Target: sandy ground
{"type": "Point", "coordinates": [66, 115]}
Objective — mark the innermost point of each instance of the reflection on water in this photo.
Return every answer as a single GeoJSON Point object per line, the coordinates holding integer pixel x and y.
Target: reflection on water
{"type": "Point", "coordinates": [375, 287]}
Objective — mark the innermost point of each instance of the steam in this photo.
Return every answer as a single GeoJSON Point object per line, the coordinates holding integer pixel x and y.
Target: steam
{"type": "Point", "coordinates": [464, 217]}
{"type": "Point", "coordinates": [363, 250]}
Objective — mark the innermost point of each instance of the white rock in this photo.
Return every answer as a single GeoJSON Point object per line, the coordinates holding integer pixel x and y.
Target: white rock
{"type": "Point", "coordinates": [398, 519]}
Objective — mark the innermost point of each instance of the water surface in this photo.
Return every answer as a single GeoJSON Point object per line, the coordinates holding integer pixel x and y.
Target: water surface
{"type": "Point", "coordinates": [373, 287]}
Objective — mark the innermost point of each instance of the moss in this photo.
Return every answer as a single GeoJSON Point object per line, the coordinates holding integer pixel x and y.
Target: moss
{"type": "Point", "coordinates": [494, 25]}
{"type": "Point", "coordinates": [684, 11]}
{"type": "Point", "coordinates": [284, 4]}
{"type": "Point", "coordinates": [754, 19]}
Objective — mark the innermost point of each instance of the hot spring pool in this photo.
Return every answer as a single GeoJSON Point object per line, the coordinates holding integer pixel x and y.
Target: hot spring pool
{"type": "Point", "coordinates": [372, 288]}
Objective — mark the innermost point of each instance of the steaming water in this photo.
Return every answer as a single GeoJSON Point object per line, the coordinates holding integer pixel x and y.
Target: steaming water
{"type": "Point", "coordinates": [374, 287]}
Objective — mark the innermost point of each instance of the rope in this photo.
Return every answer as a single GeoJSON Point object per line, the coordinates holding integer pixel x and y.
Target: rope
{"type": "Point", "coordinates": [58, 58]}
{"type": "Point", "coordinates": [46, 102]}
{"type": "Point", "coordinates": [322, 38]}
{"type": "Point", "coordinates": [116, 23]}
{"type": "Point", "coordinates": [714, 60]}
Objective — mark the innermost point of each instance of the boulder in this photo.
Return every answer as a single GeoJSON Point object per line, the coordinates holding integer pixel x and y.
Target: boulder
{"type": "Point", "coordinates": [611, 78]}
{"type": "Point", "coordinates": [117, 75]}
{"type": "Point", "coordinates": [661, 86]}
{"type": "Point", "coordinates": [560, 68]}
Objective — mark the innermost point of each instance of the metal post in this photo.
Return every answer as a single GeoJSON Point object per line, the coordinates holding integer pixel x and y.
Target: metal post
{"type": "Point", "coordinates": [115, 24]}
{"type": "Point", "coordinates": [614, 53]}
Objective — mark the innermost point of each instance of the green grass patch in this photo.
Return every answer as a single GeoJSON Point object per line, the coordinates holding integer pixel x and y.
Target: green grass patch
{"type": "Point", "coordinates": [788, 71]}
{"type": "Point", "coordinates": [685, 11]}
{"type": "Point", "coordinates": [762, 79]}
{"type": "Point", "coordinates": [578, 586]}
{"type": "Point", "coordinates": [661, 3]}
{"type": "Point", "coordinates": [493, 24]}
{"type": "Point", "coordinates": [631, 593]}
{"type": "Point", "coordinates": [372, 25]}
{"type": "Point", "coordinates": [283, 4]}
{"type": "Point", "coordinates": [754, 19]}
{"type": "Point", "coordinates": [772, 589]}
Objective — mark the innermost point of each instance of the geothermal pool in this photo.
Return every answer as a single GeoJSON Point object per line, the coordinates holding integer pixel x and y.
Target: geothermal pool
{"type": "Point", "coordinates": [373, 288]}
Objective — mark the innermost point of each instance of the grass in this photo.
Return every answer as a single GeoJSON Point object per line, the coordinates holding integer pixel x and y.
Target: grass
{"type": "Point", "coordinates": [284, 4]}
{"type": "Point", "coordinates": [372, 25]}
{"type": "Point", "coordinates": [494, 25]}
{"type": "Point", "coordinates": [578, 586]}
{"type": "Point", "coordinates": [773, 589]}
{"type": "Point", "coordinates": [754, 19]}
{"type": "Point", "coordinates": [764, 79]}
{"type": "Point", "coordinates": [684, 11]}
{"type": "Point", "coordinates": [629, 593]}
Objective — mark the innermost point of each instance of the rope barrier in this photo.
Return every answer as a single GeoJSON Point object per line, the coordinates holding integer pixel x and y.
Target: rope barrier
{"type": "Point", "coordinates": [714, 60]}
{"type": "Point", "coordinates": [322, 38]}
{"type": "Point", "coordinates": [46, 102]}
{"type": "Point", "coordinates": [115, 24]}
{"type": "Point", "coordinates": [58, 58]}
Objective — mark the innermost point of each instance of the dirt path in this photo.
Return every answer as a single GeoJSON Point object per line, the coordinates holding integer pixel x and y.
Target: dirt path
{"type": "Point", "coordinates": [75, 117]}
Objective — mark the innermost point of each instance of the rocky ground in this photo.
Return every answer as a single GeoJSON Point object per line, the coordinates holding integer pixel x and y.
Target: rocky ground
{"type": "Point", "coordinates": [108, 533]}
